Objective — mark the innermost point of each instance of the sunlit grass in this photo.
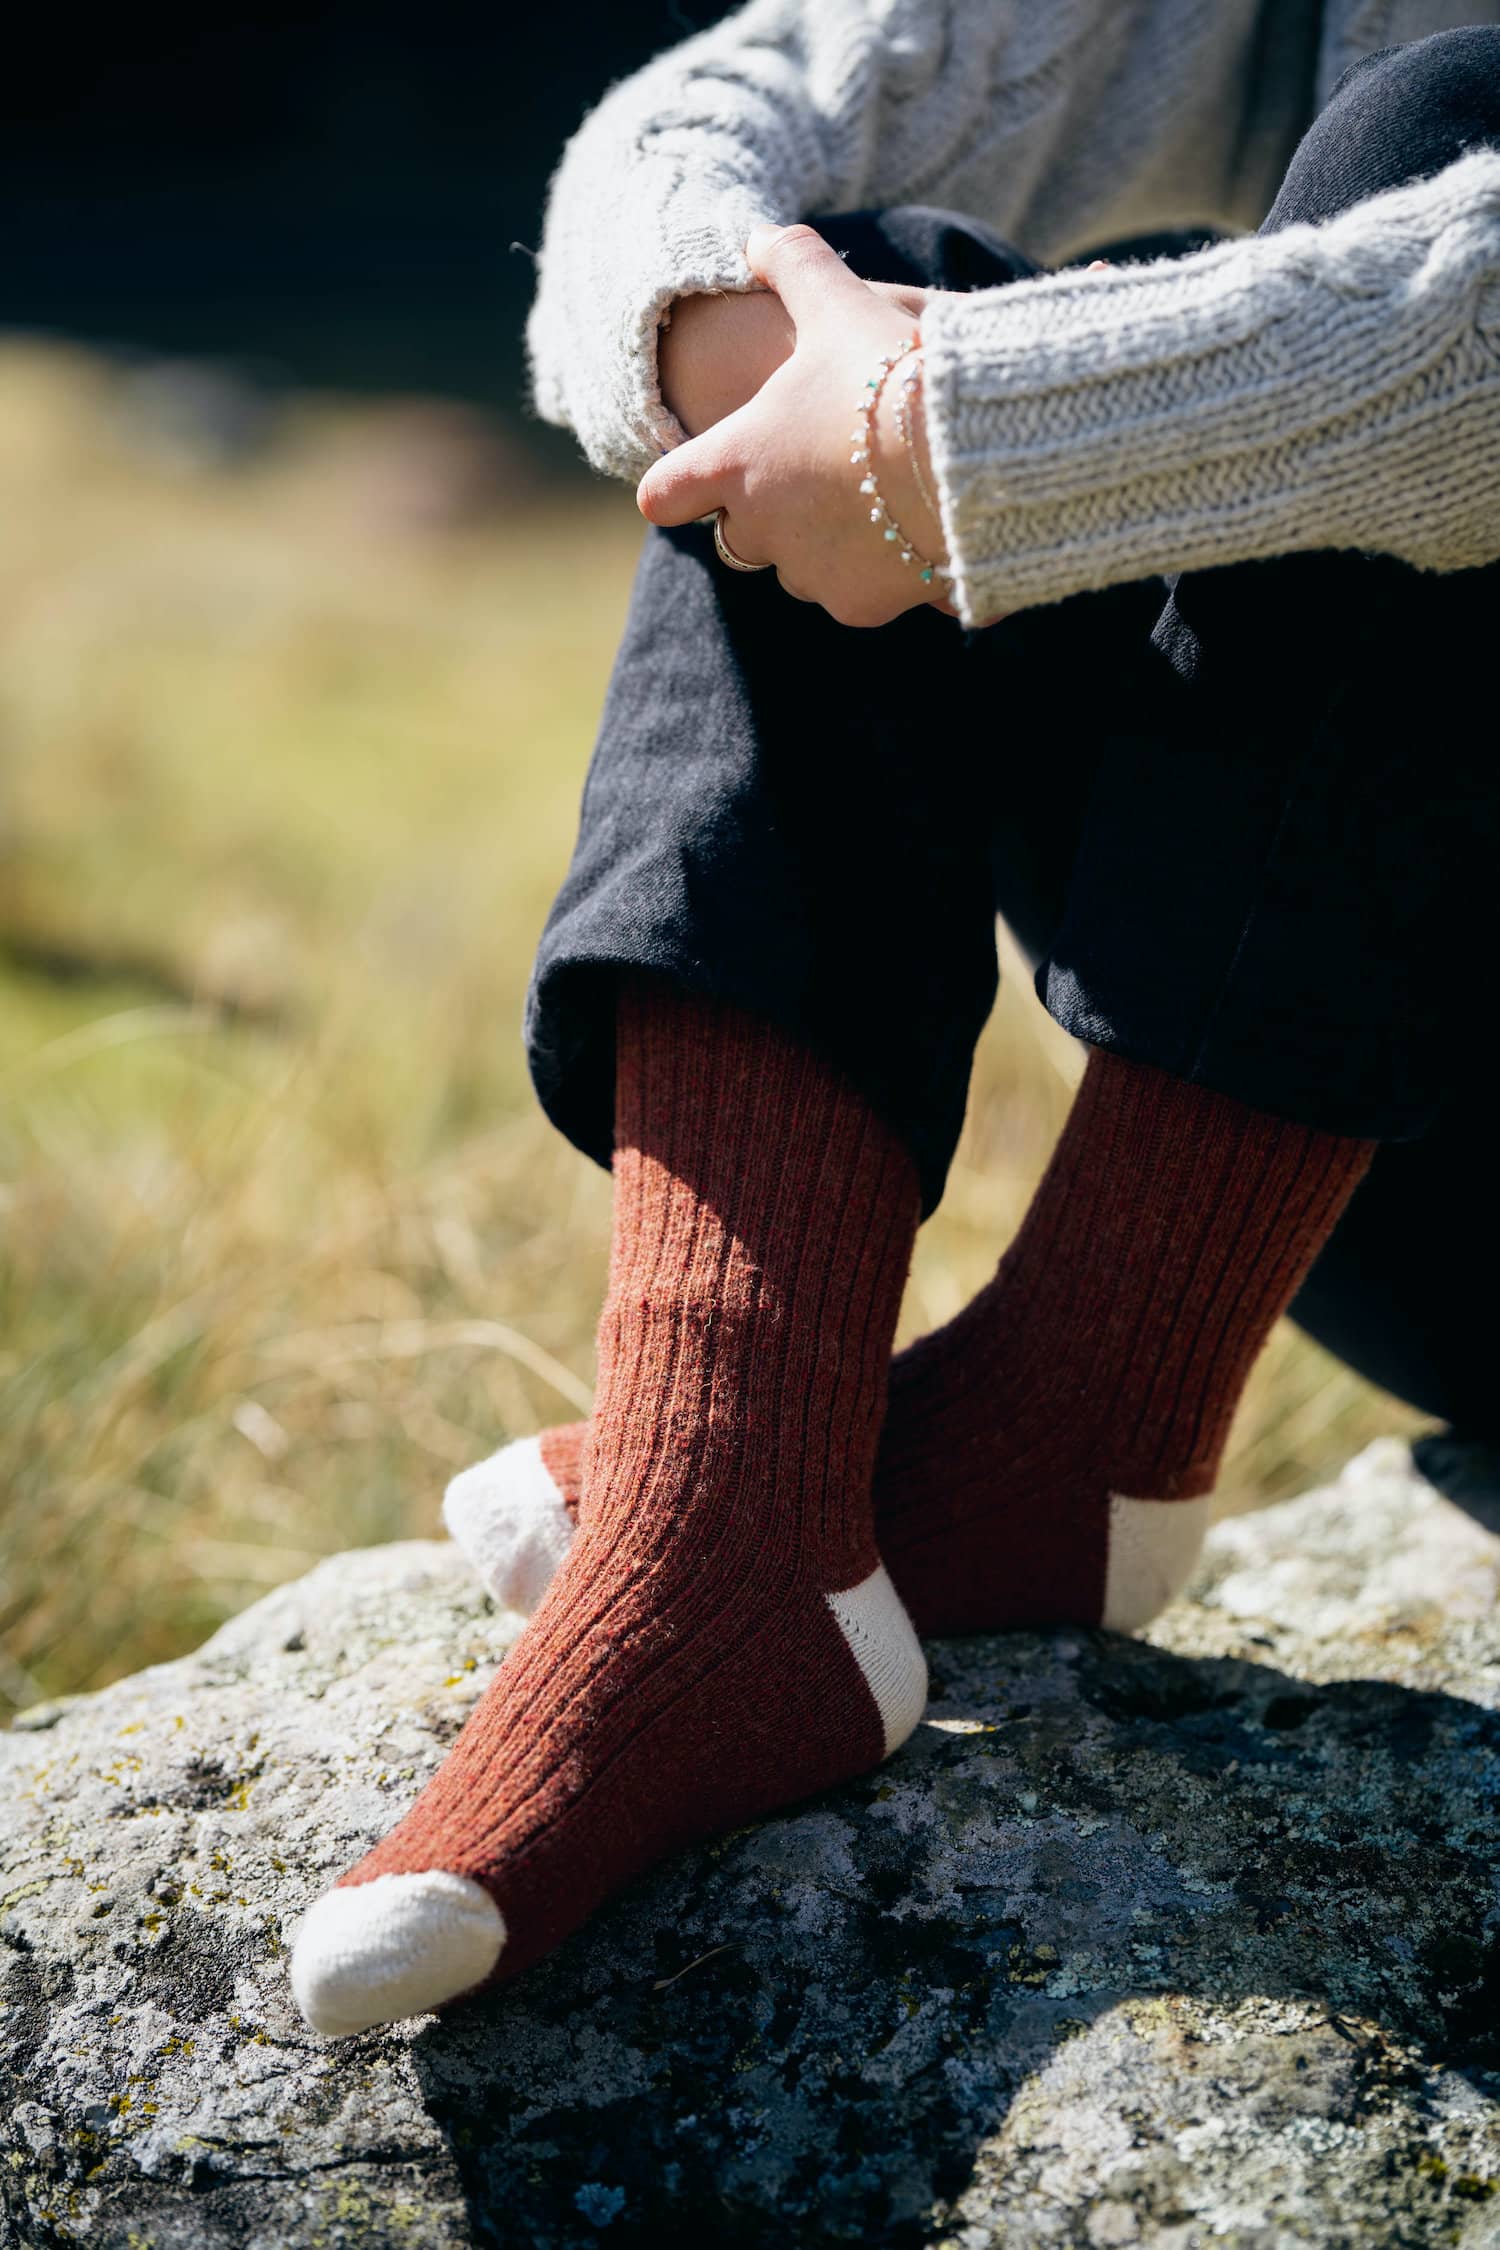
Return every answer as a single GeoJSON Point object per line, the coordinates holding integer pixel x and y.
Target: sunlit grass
{"type": "Point", "coordinates": [287, 776]}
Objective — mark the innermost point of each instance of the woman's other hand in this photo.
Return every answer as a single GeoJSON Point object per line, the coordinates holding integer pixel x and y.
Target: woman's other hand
{"type": "Point", "coordinates": [718, 351]}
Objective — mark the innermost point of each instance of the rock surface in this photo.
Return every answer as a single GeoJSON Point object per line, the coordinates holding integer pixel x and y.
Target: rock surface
{"type": "Point", "coordinates": [1187, 1941]}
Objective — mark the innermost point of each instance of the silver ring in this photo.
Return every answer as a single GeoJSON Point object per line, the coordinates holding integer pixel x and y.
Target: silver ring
{"type": "Point", "coordinates": [726, 553]}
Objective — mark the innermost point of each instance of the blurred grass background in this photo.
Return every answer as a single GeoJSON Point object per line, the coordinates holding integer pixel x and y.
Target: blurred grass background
{"type": "Point", "coordinates": [291, 738]}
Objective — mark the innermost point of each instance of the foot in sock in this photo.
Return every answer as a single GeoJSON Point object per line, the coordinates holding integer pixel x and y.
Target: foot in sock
{"type": "Point", "coordinates": [1048, 1455]}
{"type": "Point", "coordinates": [721, 1638]}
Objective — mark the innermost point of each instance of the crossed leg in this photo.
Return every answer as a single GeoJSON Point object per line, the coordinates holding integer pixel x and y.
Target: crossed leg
{"type": "Point", "coordinates": [758, 997]}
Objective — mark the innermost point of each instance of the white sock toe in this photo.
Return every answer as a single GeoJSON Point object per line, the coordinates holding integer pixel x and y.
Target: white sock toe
{"type": "Point", "coordinates": [380, 1951]}
{"type": "Point", "coordinates": [507, 1515]}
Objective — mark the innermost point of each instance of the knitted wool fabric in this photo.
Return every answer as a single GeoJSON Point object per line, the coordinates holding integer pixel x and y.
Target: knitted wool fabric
{"type": "Point", "coordinates": [1048, 1455]}
{"type": "Point", "coordinates": [722, 1637]}
{"type": "Point", "coordinates": [1321, 386]}
{"type": "Point", "coordinates": [1172, 1229]}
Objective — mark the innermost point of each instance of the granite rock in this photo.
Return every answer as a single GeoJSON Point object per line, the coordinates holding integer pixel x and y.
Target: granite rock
{"type": "Point", "coordinates": [1188, 1940]}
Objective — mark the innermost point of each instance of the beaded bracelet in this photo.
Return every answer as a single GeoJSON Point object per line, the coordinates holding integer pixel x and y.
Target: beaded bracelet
{"type": "Point", "coordinates": [906, 432]}
{"type": "Point", "coordinates": [863, 457]}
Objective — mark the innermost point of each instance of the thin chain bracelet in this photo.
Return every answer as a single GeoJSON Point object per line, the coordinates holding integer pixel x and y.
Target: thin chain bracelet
{"type": "Point", "coordinates": [863, 456]}
{"type": "Point", "coordinates": [906, 399]}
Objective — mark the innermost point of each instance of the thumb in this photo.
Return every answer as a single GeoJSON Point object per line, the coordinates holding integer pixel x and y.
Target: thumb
{"type": "Point", "coordinates": [693, 479]}
{"type": "Point", "coordinates": [801, 267]}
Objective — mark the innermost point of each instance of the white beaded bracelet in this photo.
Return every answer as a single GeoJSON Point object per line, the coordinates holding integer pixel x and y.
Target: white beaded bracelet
{"type": "Point", "coordinates": [906, 431]}
{"type": "Point", "coordinates": [863, 457]}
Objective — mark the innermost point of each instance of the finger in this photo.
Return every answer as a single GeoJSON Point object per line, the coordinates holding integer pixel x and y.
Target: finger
{"type": "Point", "coordinates": [692, 481]}
{"type": "Point", "coordinates": [804, 270]}
{"type": "Point", "coordinates": [729, 544]}
{"type": "Point", "coordinates": [1097, 265]}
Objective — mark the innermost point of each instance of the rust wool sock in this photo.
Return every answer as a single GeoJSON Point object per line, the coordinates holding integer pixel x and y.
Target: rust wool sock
{"type": "Point", "coordinates": [721, 1638]}
{"type": "Point", "coordinates": [1047, 1455]}
{"type": "Point", "coordinates": [1050, 1452]}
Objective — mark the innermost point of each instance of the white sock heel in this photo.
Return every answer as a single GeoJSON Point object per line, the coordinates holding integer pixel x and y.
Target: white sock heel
{"type": "Point", "coordinates": [507, 1515]}
{"type": "Point", "coordinates": [872, 1618]}
{"type": "Point", "coordinates": [1154, 1547]}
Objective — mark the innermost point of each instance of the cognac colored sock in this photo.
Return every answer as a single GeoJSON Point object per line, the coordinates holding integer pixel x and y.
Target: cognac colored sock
{"type": "Point", "coordinates": [721, 1638]}
{"type": "Point", "coordinates": [1047, 1456]}
{"type": "Point", "coordinates": [1050, 1452]}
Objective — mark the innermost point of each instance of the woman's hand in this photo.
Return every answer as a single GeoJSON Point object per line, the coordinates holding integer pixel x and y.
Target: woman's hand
{"type": "Point", "coordinates": [719, 349]}
{"type": "Point", "coordinates": [779, 464]}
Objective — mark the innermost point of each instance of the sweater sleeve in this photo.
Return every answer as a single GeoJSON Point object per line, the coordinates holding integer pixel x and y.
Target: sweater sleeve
{"type": "Point", "coordinates": [1061, 123]}
{"type": "Point", "coordinates": [1323, 386]}
{"type": "Point", "coordinates": [656, 195]}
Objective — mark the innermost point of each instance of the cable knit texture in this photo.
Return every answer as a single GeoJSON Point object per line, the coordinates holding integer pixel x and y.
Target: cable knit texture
{"type": "Point", "coordinates": [1330, 386]}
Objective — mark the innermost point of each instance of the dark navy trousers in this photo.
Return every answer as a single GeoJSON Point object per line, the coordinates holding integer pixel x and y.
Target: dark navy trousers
{"type": "Point", "coordinates": [1247, 822]}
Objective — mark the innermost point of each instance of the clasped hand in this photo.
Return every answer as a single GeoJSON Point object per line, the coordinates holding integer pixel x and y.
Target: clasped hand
{"type": "Point", "coordinates": [771, 386]}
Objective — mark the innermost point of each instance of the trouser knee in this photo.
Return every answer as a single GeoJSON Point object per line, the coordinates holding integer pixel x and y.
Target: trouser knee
{"type": "Point", "coordinates": [1399, 115]}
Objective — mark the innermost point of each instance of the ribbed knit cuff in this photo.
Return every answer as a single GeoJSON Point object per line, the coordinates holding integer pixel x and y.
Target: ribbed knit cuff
{"type": "Point", "coordinates": [1091, 428]}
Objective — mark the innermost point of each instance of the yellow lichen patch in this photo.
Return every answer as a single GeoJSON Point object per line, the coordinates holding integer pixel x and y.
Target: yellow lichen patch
{"type": "Point", "coordinates": [25, 1890]}
{"type": "Point", "coordinates": [1030, 1966]}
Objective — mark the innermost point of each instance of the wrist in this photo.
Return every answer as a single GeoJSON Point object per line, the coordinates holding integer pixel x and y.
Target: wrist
{"type": "Point", "coordinates": [901, 429]}
{"type": "Point", "coordinates": [714, 350]}
{"type": "Point", "coordinates": [899, 479]}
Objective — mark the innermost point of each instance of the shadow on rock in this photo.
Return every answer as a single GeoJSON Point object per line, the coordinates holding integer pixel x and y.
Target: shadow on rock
{"type": "Point", "coordinates": [1136, 1943]}
{"type": "Point", "coordinates": [1122, 1936]}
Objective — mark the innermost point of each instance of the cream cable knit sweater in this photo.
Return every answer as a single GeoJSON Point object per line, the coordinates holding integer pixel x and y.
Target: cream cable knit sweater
{"type": "Point", "coordinates": [1331, 386]}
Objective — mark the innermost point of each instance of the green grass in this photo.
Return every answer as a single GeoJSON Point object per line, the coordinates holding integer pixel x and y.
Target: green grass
{"type": "Point", "coordinates": [288, 774]}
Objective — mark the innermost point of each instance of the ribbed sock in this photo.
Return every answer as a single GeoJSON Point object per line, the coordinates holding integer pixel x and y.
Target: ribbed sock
{"type": "Point", "coordinates": [1047, 1455]}
{"type": "Point", "coordinates": [721, 1638]}
{"type": "Point", "coordinates": [1050, 1452]}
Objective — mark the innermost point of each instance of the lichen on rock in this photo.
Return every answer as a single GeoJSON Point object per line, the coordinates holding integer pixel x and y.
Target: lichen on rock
{"type": "Point", "coordinates": [1182, 1941]}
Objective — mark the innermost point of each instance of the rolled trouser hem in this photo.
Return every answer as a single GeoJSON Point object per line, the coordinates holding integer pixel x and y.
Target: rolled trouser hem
{"type": "Point", "coordinates": [570, 1050]}
{"type": "Point", "coordinates": [1289, 1074]}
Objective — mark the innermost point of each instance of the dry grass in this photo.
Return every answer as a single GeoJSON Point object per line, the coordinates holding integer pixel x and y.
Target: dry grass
{"type": "Point", "coordinates": [287, 775]}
